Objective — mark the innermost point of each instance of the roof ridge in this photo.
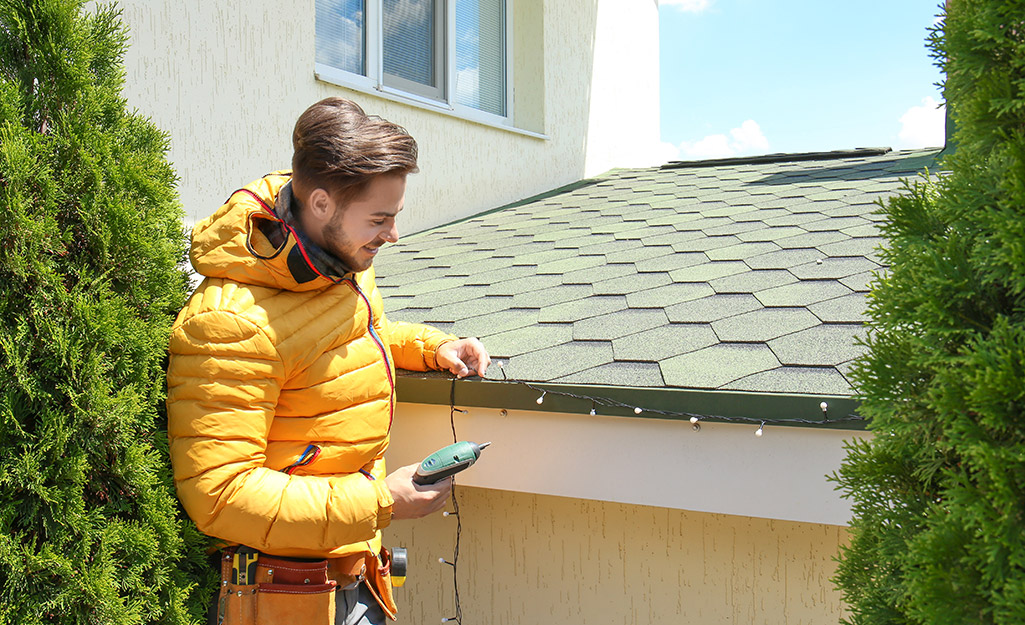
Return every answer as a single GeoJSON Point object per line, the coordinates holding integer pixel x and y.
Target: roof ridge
{"type": "Point", "coordinates": [779, 158]}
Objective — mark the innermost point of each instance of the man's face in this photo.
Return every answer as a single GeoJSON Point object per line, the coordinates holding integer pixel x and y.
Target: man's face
{"type": "Point", "coordinates": [356, 232]}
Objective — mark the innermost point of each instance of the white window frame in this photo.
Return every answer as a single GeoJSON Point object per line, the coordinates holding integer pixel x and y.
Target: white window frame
{"type": "Point", "coordinates": [373, 82]}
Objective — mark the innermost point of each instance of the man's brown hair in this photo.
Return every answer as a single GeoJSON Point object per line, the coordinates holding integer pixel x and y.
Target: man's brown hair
{"type": "Point", "coordinates": [338, 147]}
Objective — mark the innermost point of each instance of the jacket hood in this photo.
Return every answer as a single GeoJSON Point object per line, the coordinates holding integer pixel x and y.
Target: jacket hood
{"type": "Point", "coordinates": [246, 241]}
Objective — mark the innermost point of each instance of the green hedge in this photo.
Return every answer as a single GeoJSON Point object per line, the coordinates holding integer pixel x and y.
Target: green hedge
{"type": "Point", "coordinates": [91, 272]}
{"type": "Point", "coordinates": [938, 534]}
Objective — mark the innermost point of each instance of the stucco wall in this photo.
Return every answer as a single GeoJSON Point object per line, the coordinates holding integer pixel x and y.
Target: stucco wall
{"type": "Point", "coordinates": [227, 80]}
{"type": "Point", "coordinates": [528, 558]}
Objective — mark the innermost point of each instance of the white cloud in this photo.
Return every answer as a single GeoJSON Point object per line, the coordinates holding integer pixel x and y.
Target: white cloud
{"type": "Point", "coordinates": [339, 31]}
{"type": "Point", "coordinates": [687, 6]}
{"type": "Point", "coordinates": [922, 126]}
{"type": "Point", "coordinates": [749, 138]}
{"type": "Point", "coordinates": [665, 152]}
{"type": "Point", "coordinates": [743, 140]}
{"type": "Point", "coordinates": [468, 87]}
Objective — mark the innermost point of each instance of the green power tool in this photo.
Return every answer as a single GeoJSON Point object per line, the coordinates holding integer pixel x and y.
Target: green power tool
{"type": "Point", "coordinates": [447, 461]}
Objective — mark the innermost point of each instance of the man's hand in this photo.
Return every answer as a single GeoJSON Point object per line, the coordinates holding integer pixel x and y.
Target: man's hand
{"type": "Point", "coordinates": [413, 501]}
{"type": "Point", "coordinates": [464, 357]}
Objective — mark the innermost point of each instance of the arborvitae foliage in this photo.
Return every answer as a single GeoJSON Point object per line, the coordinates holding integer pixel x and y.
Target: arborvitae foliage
{"type": "Point", "coordinates": [938, 534]}
{"type": "Point", "coordinates": [90, 279]}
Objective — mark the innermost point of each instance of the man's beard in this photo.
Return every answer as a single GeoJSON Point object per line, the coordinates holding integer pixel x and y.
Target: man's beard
{"type": "Point", "coordinates": [341, 247]}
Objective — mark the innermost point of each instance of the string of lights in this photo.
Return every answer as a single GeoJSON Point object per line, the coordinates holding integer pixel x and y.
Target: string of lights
{"type": "Point", "coordinates": [694, 418]}
{"type": "Point", "coordinates": [458, 618]}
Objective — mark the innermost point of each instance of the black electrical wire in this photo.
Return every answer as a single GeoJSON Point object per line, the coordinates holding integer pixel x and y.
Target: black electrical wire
{"type": "Point", "coordinates": [455, 510]}
{"type": "Point", "coordinates": [591, 401]}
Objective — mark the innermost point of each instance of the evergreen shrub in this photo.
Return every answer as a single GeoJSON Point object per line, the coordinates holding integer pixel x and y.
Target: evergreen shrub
{"type": "Point", "coordinates": [938, 535]}
{"type": "Point", "coordinates": [91, 274]}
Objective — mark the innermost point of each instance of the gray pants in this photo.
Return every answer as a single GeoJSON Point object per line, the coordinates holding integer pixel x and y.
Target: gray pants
{"type": "Point", "coordinates": [356, 606]}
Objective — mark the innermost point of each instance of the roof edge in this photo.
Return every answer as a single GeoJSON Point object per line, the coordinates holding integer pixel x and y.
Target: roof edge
{"type": "Point", "coordinates": [656, 403]}
{"type": "Point", "coordinates": [566, 188]}
{"type": "Point", "coordinates": [779, 158]}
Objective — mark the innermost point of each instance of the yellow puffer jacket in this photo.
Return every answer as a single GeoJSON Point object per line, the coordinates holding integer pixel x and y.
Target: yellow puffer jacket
{"type": "Point", "coordinates": [281, 389]}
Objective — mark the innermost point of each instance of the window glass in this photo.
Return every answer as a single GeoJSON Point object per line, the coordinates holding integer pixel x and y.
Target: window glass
{"type": "Point", "coordinates": [410, 40]}
{"type": "Point", "coordinates": [340, 32]}
{"type": "Point", "coordinates": [480, 55]}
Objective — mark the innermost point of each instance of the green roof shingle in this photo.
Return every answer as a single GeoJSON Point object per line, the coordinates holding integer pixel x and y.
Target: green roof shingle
{"type": "Point", "coordinates": [740, 275]}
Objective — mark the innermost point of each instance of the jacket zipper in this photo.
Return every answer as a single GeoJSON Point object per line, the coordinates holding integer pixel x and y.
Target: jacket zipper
{"type": "Point", "coordinates": [380, 346]}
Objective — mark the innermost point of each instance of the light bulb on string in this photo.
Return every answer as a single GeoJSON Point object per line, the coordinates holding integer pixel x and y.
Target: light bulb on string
{"type": "Point", "coordinates": [638, 410]}
{"type": "Point", "coordinates": [541, 400]}
{"type": "Point", "coordinates": [761, 428]}
{"type": "Point", "coordinates": [825, 408]}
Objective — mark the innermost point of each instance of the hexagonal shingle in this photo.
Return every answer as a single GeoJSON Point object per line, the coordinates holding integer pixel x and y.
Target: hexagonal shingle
{"type": "Point", "coordinates": [632, 283]}
{"type": "Point", "coordinates": [576, 310]}
{"type": "Point", "coordinates": [717, 365]}
{"type": "Point", "coordinates": [525, 284]}
{"type": "Point", "coordinates": [751, 281]}
{"type": "Point", "coordinates": [860, 283]}
{"type": "Point", "coordinates": [621, 323]}
{"type": "Point", "coordinates": [811, 239]}
{"type": "Point", "coordinates": [712, 308]}
{"type": "Point", "coordinates": [670, 262]}
{"type": "Point", "coordinates": [844, 309]}
{"type": "Point", "coordinates": [560, 360]}
{"type": "Point", "coordinates": [573, 263]}
{"type": "Point", "coordinates": [763, 324]}
{"type": "Point", "coordinates": [706, 272]}
{"type": "Point", "coordinates": [798, 380]}
{"type": "Point", "coordinates": [664, 341]}
{"type": "Point", "coordinates": [802, 293]}
{"type": "Point", "coordinates": [865, 246]}
{"type": "Point", "coordinates": [599, 273]}
{"type": "Point", "coordinates": [471, 308]}
{"type": "Point", "coordinates": [835, 268]}
{"type": "Point", "coordinates": [636, 374]}
{"type": "Point", "coordinates": [822, 345]}
{"type": "Point", "coordinates": [667, 295]}
{"type": "Point", "coordinates": [740, 251]}
{"type": "Point", "coordinates": [508, 319]}
{"type": "Point", "coordinates": [638, 253]}
{"type": "Point", "coordinates": [784, 259]}
{"type": "Point", "coordinates": [769, 234]}
{"type": "Point", "coordinates": [551, 297]}
{"type": "Point", "coordinates": [531, 338]}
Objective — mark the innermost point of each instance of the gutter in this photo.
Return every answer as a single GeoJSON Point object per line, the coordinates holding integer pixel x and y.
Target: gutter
{"type": "Point", "coordinates": [714, 406]}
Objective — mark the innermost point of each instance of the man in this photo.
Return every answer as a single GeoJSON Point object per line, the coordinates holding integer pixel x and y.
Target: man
{"type": "Point", "coordinates": [281, 378]}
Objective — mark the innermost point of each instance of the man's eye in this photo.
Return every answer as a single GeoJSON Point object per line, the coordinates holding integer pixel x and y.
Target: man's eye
{"type": "Point", "coordinates": [378, 223]}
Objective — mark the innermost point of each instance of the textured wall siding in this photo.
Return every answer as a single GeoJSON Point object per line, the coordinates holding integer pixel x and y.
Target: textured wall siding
{"type": "Point", "coordinates": [538, 559]}
{"type": "Point", "coordinates": [227, 80]}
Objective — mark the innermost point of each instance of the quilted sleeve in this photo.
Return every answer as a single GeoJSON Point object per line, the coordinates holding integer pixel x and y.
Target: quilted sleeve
{"type": "Point", "coordinates": [224, 378]}
{"type": "Point", "coordinates": [413, 345]}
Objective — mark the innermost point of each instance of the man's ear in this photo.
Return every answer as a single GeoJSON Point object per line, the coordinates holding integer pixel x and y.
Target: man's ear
{"type": "Point", "coordinates": [320, 206]}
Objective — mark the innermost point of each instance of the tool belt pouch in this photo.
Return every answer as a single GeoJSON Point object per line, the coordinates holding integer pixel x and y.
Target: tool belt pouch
{"type": "Point", "coordinates": [379, 582]}
{"type": "Point", "coordinates": [298, 593]}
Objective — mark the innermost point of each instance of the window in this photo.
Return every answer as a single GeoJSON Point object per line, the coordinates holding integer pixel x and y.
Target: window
{"type": "Point", "coordinates": [448, 53]}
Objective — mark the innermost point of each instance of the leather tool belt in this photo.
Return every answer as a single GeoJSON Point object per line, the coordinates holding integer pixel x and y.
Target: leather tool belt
{"type": "Point", "coordinates": [261, 589]}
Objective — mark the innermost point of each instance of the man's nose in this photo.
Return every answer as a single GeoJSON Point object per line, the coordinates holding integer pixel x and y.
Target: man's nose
{"type": "Point", "coordinates": [392, 234]}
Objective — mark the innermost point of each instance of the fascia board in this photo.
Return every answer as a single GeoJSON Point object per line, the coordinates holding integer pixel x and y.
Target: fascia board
{"type": "Point", "coordinates": [721, 469]}
{"type": "Point", "coordinates": [658, 403]}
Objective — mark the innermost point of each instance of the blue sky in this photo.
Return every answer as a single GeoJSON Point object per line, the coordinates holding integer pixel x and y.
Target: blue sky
{"type": "Point", "coordinates": [742, 77]}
